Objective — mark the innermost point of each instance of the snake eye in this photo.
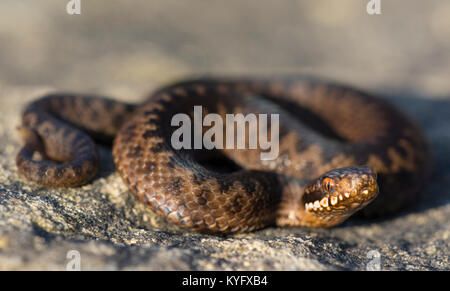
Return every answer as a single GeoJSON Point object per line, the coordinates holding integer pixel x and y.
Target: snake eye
{"type": "Point", "coordinates": [328, 184]}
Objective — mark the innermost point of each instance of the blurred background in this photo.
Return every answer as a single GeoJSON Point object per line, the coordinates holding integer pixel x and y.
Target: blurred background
{"type": "Point", "coordinates": [129, 47]}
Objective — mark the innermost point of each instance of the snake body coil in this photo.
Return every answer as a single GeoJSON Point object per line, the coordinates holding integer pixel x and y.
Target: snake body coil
{"type": "Point", "coordinates": [338, 148]}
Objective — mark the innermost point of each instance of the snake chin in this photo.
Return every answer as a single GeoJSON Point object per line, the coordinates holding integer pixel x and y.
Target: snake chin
{"type": "Point", "coordinates": [339, 194]}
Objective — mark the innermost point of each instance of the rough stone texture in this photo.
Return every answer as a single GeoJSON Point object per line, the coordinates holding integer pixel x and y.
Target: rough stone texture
{"type": "Point", "coordinates": [126, 50]}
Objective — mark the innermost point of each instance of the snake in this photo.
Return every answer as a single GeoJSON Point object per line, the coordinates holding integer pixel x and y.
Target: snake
{"type": "Point", "coordinates": [341, 151]}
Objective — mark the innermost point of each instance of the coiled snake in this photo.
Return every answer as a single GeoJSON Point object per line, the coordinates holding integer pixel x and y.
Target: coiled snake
{"type": "Point", "coordinates": [338, 147]}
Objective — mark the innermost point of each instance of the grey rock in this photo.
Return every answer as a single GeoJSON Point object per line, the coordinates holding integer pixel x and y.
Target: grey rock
{"type": "Point", "coordinates": [112, 230]}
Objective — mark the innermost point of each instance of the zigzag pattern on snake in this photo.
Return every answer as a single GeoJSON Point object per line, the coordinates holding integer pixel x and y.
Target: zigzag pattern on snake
{"type": "Point", "coordinates": [341, 150]}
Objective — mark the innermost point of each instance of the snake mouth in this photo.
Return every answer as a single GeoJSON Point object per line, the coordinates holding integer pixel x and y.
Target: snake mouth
{"type": "Point", "coordinates": [341, 201]}
{"type": "Point", "coordinates": [341, 192]}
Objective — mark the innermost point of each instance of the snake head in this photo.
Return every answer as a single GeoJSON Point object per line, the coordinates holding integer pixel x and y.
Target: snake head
{"type": "Point", "coordinates": [337, 194]}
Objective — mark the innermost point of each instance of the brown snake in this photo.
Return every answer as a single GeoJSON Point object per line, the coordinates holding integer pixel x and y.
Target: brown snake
{"type": "Point", "coordinates": [338, 148]}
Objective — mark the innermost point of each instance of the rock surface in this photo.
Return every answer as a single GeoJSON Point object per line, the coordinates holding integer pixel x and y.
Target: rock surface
{"type": "Point", "coordinates": [104, 51]}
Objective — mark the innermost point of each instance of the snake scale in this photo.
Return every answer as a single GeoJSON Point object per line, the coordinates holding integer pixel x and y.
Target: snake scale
{"type": "Point", "coordinates": [338, 148]}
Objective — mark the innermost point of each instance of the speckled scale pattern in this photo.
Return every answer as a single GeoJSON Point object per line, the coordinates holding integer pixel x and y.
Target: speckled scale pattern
{"type": "Point", "coordinates": [323, 127]}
